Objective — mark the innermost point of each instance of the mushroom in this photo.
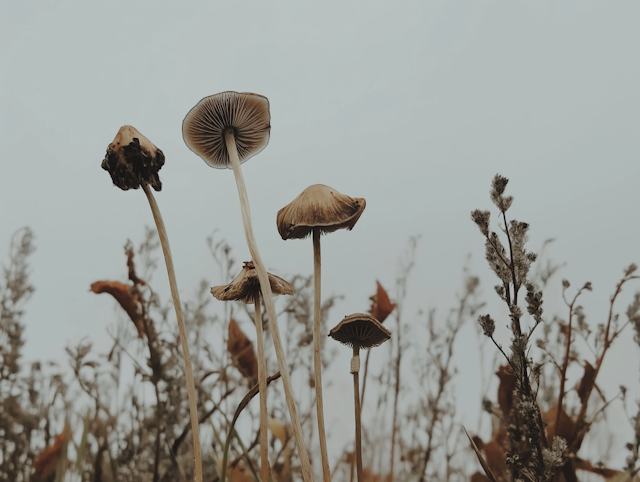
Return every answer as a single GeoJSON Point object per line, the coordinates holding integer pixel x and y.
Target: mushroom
{"type": "Point", "coordinates": [246, 288]}
{"type": "Point", "coordinates": [226, 129]}
{"type": "Point", "coordinates": [133, 161]}
{"type": "Point", "coordinates": [319, 209]}
{"type": "Point", "coordinates": [359, 331]}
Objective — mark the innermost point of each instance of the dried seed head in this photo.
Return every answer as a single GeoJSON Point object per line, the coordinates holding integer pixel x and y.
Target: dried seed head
{"type": "Point", "coordinates": [133, 160]}
{"type": "Point", "coordinates": [318, 206]}
{"type": "Point", "coordinates": [245, 114]}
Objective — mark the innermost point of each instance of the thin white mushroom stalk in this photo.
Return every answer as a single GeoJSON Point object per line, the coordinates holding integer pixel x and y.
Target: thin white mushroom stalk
{"type": "Point", "coordinates": [133, 161]}
{"type": "Point", "coordinates": [317, 357]}
{"type": "Point", "coordinates": [262, 383]}
{"type": "Point", "coordinates": [269, 305]}
{"type": "Point", "coordinates": [191, 389]}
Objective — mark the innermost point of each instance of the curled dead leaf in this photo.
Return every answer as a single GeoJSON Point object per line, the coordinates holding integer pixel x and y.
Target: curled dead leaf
{"type": "Point", "coordinates": [242, 353]}
{"type": "Point", "coordinates": [566, 427]}
{"type": "Point", "coordinates": [46, 462]}
{"type": "Point", "coordinates": [505, 389]}
{"type": "Point", "coordinates": [587, 382]}
{"type": "Point", "coordinates": [125, 296]}
{"type": "Point", "coordinates": [278, 430]}
{"type": "Point", "coordinates": [381, 306]}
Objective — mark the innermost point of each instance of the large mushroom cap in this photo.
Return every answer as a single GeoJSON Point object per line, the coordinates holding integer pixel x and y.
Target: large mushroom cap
{"type": "Point", "coordinates": [247, 114]}
{"type": "Point", "coordinates": [360, 329]}
{"type": "Point", "coordinates": [132, 160]}
{"type": "Point", "coordinates": [246, 284]}
{"type": "Point", "coordinates": [318, 206]}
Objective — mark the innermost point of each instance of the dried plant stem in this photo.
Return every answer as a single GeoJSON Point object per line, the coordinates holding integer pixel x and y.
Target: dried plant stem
{"type": "Point", "coordinates": [262, 384]}
{"type": "Point", "coordinates": [356, 397]}
{"type": "Point", "coordinates": [364, 378]}
{"type": "Point", "coordinates": [191, 389]}
{"type": "Point", "coordinates": [317, 358]}
{"type": "Point", "coordinates": [243, 403]}
{"type": "Point", "coordinates": [577, 442]}
{"type": "Point", "coordinates": [268, 301]}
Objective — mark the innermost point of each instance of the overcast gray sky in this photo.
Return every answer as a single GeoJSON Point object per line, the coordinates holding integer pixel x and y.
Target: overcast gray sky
{"type": "Point", "coordinates": [412, 105]}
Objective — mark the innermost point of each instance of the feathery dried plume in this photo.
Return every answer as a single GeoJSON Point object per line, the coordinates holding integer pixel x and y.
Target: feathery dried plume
{"type": "Point", "coordinates": [487, 324]}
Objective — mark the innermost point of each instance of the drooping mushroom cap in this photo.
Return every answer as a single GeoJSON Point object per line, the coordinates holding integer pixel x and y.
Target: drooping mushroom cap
{"type": "Point", "coordinates": [132, 160]}
{"type": "Point", "coordinates": [318, 206]}
{"type": "Point", "coordinates": [363, 330]}
{"type": "Point", "coordinates": [246, 284]}
{"type": "Point", "coordinates": [246, 114]}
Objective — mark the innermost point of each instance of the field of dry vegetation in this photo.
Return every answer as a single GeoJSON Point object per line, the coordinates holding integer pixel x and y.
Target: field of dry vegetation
{"type": "Point", "coordinates": [128, 414]}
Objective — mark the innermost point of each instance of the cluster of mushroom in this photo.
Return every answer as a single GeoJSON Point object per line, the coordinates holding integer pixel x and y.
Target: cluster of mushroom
{"type": "Point", "coordinates": [226, 130]}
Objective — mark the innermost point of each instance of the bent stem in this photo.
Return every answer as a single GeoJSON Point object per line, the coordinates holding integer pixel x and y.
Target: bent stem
{"type": "Point", "coordinates": [262, 383]}
{"type": "Point", "coordinates": [267, 296]}
{"type": "Point", "coordinates": [317, 359]}
{"type": "Point", "coordinates": [355, 368]}
{"type": "Point", "coordinates": [191, 389]}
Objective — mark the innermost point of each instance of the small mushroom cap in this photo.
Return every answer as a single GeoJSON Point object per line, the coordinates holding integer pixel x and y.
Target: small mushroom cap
{"type": "Point", "coordinates": [132, 160]}
{"type": "Point", "coordinates": [318, 206]}
{"type": "Point", "coordinates": [247, 114]}
{"type": "Point", "coordinates": [245, 285]}
{"type": "Point", "coordinates": [360, 329]}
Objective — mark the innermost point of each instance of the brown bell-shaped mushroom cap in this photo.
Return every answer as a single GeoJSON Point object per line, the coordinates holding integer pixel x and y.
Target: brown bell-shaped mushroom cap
{"type": "Point", "coordinates": [321, 207]}
{"type": "Point", "coordinates": [132, 160]}
{"type": "Point", "coordinates": [204, 127]}
{"type": "Point", "coordinates": [360, 329]}
{"type": "Point", "coordinates": [244, 286]}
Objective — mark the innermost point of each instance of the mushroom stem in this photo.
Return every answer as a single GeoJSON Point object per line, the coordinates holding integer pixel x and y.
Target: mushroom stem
{"type": "Point", "coordinates": [262, 383]}
{"type": "Point", "coordinates": [317, 359]}
{"type": "Point", "coordinates": [191, 389]}
{"type": "Point", "coordinates": [355, 368]}
{"type": "Point", "coordinates": [268, 302]}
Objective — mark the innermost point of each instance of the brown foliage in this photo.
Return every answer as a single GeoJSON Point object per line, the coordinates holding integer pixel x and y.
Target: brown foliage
{"type": "Point", "coordinates": [381, 306]}
{"type": "Point", "coordinates": [242, 353]}
{"type": "Point", "coordinates": [125, 295]}
{"type": "Point", "coordinates": [587, 382]}
{"type": "Point", "coordinates": [505, 389]}
{"type": "Point", "coordinates": [45, 464]}
{"type": "Point", "coordinates": [566, 427]}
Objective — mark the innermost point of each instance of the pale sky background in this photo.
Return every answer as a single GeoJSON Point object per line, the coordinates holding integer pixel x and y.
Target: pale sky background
{"type": "Point", "coordinates": [412, 105]}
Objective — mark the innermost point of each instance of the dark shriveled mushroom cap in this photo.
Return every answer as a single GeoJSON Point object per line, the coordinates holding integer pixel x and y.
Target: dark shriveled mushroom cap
{"type": "Point", "coordinates": [318, 206]}
{"type": "Point", "coordinates": [132, 160]}
{"type": "Point", "coordinates": [245, 286]}
{"type": "Point", "coordinates": [360, 329]}
{"type": "Point", "coordinates": [246, 114]}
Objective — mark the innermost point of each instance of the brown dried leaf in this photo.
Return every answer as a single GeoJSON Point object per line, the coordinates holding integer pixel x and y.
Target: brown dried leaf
{"type": "Point", "coordinates": [131, 265]}
{"type": "Point", "coordinates": [381, 306]}
{"type": "Point", "coordinates": [278, 430]}
{"type": "Point", "coordinates": [566, 427]}
{"type": "Point", "coordinates": [45, 464]}
{"type": "Point", "coordinates": [240, 474]}
{"type": "Point", "coordinates": [603, 471]}
{"type": "Point", "coordinates": [505, 389]}
{"type": "Point", "coordinates": [478, 477]}
{"type": "Point", "coordinates": [587, 382]}
{"type": "Point", "coordinates": [484, 464]}
{"type": "Point", "coordinates": [242, 353]}
{"type": "Point", "coordinates": [123, 295]}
